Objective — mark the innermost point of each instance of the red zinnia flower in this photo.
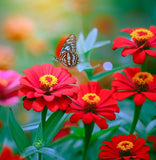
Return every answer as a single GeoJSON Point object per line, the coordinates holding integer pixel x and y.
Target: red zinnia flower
{"type": "Point", "coordinates": [94, 104]}
{"type": "Point", "coordinates": [65, 130]}
{"type": "Point", "coordinates": [8, 155]}
{"type": "Point", "coordinates": [124, 148]}
{"type": "Point", "coordinates": [140, 84]}
{"type": "Point", "coordinates": [140, 44]}
{"type": "Point", "coordinates": [46, 85]}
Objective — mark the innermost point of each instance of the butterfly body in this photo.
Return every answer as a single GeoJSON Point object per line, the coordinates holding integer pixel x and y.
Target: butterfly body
{"type": "Point", "coordinates": [68, 55]}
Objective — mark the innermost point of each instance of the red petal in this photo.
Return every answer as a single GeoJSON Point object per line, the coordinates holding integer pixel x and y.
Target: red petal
{"type": "Point", "coordinates": [38, 104]}
{"type": "Point", "coordinates": [87, 118]}
{"type": "Point", "coordinates": [101, 122]}
{"type": "Point", "coordinates": [139, 57]}
{"type": "Point", "coordinates": [151, 53]}
{"type": "Point", "coordinates": [123, 94]}
{"type": "Point", "coordinates": [127, 51]}
{"type": "Point", "coordinates": [128, 30]}
{"type": "Point", "coordinates": [27, 104]}
{"type": "Point", "coordinates": [153, 29]}
{"type": "Point", "coordinates": [75, 117]}
{"type": "Point", "coordinates": [49, 98]}
{"type": "Point", "coordinates": [139, 99]}
{"type": "Point", "coordinates": [120, 42]}
{"type": "Point", "coordinates": [150, 95]}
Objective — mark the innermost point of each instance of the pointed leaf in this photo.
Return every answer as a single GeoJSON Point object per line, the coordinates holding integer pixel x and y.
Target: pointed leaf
{"type": "Point", "coordinates": [90, 40]}
{"type": "Point", "coordinates": [151, 127]}
{"type": "Point", "coordinates": [30, 126]}
{"type": "Point", "coordinates": [100, 44]}
{"type": "Point", "coordinates": [80, 44]}
{"type": "Point", "coordinates": [18, 134]}
{"type": "Point", "coordinates": [53, 125]}
{"type": "Point", "coordinates": [29, 151]}
{"type": "Point", "coordinates": [51, 153]}
{"type": "Point", "coordinates": [106, 73]}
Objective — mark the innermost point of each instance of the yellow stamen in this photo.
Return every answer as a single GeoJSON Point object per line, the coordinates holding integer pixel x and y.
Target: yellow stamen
{"type": "Point", "coordinates": [47, 81]}
{"type": "Point", "coordinates": [3, 82]}
{"type": "Point", "coordinates": [125, 145]}
{"type": "Point", "coordinates": [91, 98]}
{"type": "Point", "coordinates": [141, 34]}
{"type": "Point", "coordinates": [142, 78]}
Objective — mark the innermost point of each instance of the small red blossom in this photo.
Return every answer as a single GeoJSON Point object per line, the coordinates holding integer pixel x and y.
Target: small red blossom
{"type": "Point", "coordinates": [142, 40]}
{"type": "Point", "coordinates": [46, 85]}
{"type": "Point", "coordinates": [7, 154]}
{"type": "Point", "coordinates": [65, 130]}
{"type": "Point", "coordinates": [152, 139]}
{"type": "Point", "coordinates": [140, 84]}
{"type": "Point", "coordinates": [94, 104]}
{"type": "Point", "coordinates": [124, 148]}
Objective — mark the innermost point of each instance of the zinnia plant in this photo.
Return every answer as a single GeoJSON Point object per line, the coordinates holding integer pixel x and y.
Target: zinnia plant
{"type": "Point", "coordinates": [9, 85]}
{"type": "Point", "coordinates": [124, 148]}
{"type": "Point", "coordinates": [141, 43]}
{"type": "Point", "coordinates": [47, 86]}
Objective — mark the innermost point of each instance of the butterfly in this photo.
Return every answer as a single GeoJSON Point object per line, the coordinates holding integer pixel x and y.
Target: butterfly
{"type": "Point", "coordinates": [68, 55]}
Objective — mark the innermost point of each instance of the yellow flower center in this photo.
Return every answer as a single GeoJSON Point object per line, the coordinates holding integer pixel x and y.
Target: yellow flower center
{"type": "Point", "coordinates": [47, 81]}
{"type": "Point", "coordinates": [3, 82]}
{"type": "Point", "coordinates": [91, 98]}
{"type": "Point", "coordinates": [141, 34]}
{"type": "Point", "coordinates": [142, 78]}
{"type": "Point", "coordinates": [125, 145]}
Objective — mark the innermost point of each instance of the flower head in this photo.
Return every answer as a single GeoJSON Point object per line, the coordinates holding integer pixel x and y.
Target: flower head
{"type": "Point", "coordinates": [142, 40]}
{"type": "Point", "coordinates": [124, 148]}
{"type": "Point", "coordinates": [7, 154]}
{"type": "Point", "coordinates": [7, 58]}
{"type": "Point", "coordinates": [94, 104]}
{"type": "Point", "coordinates": [9, 85]}
{"type": "Point", "coordinates": [140, 84]}
{"type": "Point", "coordinates": [46, 85]}
{"type": "Point", "coordinates": [65, 130]}
{"type": "Point", "coordinates": [18, 28]}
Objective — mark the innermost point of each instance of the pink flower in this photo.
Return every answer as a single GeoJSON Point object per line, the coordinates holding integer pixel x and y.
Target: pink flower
{"type": "Point", "coordinates": [9, 85]}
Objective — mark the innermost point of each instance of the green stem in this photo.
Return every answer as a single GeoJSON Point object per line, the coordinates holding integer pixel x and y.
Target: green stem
{"type": "Point", "coordinates": [43, 119]}
{"type": "Point", "coordinates": [88, 134]}
{"type": "Point", "coordinates": [135, 118]}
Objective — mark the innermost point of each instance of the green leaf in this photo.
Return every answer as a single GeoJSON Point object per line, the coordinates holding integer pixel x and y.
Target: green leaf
{"type": "Point", "coordinates": [90, 40]}
{"type": "Point", "coordinates": [50, 152]}
{"type": "Point", "coordinates": [96, 135]}
{"type": "Point", "coordinates": [18, 134]}
{"type": "Point", "coordinates": [106, 73]}
{"type": "Point", "coordinates": [53, 125]}
{"type": "Point", "coordinates": [80, 44]}
{"type": "Point", "coordinates": [151, 127]}
{"type": "Point", "coordinates": [30, 126]}
{"type": "Point", "coordinates": [100, 44]}
{"type": "Point", "coordinates": [29, 151]}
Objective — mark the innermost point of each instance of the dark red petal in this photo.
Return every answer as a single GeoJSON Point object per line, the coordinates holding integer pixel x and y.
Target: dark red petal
{"type": "Point", "coordinates": [127, 51]}
{"type": "Point", "coordinates": [53, 106]}
{"type": "Point", "coordinates": [27, 104]}
{"type": "Point", "coordinates": [151, 53]}
{"type": "Point", "coordinates": [150, 95]}
{"type": "Point", "coordinates": [87, 118]}
{"type": "Point", "coordinates": [38, 104]}
{"type": "Point", "coordinates": [101, 122]}
{"type": "Point", "coordinates": [75, 117]}
{"type": "Point", "coordinates": [128, 30]}
{"type": "Point", "coordinates": [144, 156]}
{"type": "Point", "coordinates": [153, 29]}
{"type": "Point", "coordinates": [123, 95]}
{"type": "Point", "coordinates": [120, 42]}
{"type": "Point", "coordinates": [139, 99]}
{"type": "Point", "coordinates": [139, 57]}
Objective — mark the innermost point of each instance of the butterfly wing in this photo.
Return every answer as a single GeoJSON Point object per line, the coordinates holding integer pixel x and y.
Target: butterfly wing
{"type": "Point", "coordinates": [68, 55]}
